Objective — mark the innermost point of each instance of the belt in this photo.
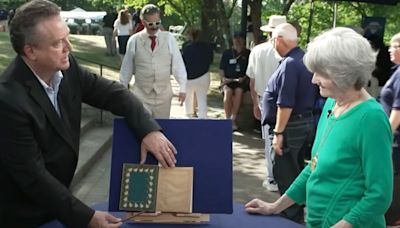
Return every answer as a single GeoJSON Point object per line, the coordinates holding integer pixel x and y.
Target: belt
{"type": "Point", "coordinates": [301, 116]}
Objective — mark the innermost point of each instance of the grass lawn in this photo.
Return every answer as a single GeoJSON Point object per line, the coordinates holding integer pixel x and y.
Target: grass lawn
{"type": "Point", "coordinates": [84, 49]}
{"type": "Point", "coordinates": [6, 51]}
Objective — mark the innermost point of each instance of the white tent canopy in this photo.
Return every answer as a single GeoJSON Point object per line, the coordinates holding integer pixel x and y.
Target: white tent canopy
{"type": "Point", "coordinates": [81, 14]}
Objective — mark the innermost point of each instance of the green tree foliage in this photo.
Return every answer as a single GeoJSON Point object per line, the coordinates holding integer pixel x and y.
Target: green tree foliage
{"type": "Point", "coordinates": [223, 16]}
{"type": "Point", "coordinates": [348, 14]}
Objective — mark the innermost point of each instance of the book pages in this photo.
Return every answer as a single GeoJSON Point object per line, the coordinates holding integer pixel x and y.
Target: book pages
{"type": "Point", "coordinates": [175, 190]}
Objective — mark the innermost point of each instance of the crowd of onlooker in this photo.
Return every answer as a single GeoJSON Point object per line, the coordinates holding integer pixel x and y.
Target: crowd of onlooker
{"type": "Point", "coordinates": [5, 18]}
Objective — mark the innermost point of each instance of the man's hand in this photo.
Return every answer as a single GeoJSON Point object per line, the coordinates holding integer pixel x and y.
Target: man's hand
{"type": "Point", "coordinates": [277, 144]}
{"type": "Point", "coordinates": [181, 98]}
{"type": "Point", "coordinates": [225, 80]}
{"type": "Point", "coordinates": [102, 219]}
{"type": "Point", "coordinates": [257, 206]}
{"type": "Point", "coordinates": [156, 143]}
{"type": "Point", "coordinates": [257, 112]}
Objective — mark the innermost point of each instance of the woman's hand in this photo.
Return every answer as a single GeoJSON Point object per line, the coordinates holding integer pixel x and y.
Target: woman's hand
{"type": "Point", "coordinates": [257, 206]}
{"type": "Point", "coordinates": [342, 224]}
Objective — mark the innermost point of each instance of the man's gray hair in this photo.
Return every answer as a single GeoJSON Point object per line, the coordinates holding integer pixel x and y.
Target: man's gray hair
{"type": "Point", "coordinates": [149, 9]}
{"type": "Point", "coordinates": [395, 38]}
{"type": "Point", "coordinates": [23, 26]}
{"type": "Point", "coordinates": [286, 31]}
{"type": "Point", "coordinates": [342, 55]}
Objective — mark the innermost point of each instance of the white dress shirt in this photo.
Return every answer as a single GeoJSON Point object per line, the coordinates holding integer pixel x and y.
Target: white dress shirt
{"type": "Point", "coordinates": [263, 61]}
{"type": "Point", "coordinates": [52, 89]}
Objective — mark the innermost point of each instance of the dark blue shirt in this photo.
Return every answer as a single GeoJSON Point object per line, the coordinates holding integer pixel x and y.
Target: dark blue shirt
{"type": "Point", "coordinates": [289, 87]}
{"type": "Point", "coordinates": [3, 14]}
{"type": "Point", "coordinates": [198, 57]}
{"type": "Point", "coordinates": [234, 64]}
{"type": "Point", "coordinates": [390, 94]}
{"type": "Point", "coordinates": [108, 20]}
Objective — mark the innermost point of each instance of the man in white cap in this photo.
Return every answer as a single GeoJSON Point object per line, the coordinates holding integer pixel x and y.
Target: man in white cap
{"type": "Point", "coordinates": [263, 61]}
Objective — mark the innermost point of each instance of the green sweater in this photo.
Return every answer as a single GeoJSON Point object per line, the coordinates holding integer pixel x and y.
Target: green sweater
{"type": "Point", "coordinates": [353, 178]}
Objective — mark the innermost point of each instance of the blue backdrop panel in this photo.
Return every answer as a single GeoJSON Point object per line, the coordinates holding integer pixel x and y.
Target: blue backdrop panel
{"type": "Point", "coordinates": [205, 145]}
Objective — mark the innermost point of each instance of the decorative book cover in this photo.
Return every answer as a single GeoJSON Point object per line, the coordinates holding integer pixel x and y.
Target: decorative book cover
{"type": "Point", "coordinates": [138, 187]}
{"type": "Point", "coordinates": [151, 188]}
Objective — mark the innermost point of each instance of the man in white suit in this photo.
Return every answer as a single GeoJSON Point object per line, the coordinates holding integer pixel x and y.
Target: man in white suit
{"type": "Point", "coordinates": [152, 55]}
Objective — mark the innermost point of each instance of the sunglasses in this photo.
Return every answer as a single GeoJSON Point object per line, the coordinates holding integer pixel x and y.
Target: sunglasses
{"type": "Point", "coordinates": [157, 23]}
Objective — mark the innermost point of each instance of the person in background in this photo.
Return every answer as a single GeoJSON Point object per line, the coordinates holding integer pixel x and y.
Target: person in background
{"type": "Point", "coordinates": [41, 96]}
{"type": "Point", "coordinates": [288, 104]}
{"type": "Point", "coordinates": [263, 61]}
{"type": "Point", "coordinates": [122, 30]}
{"type": "Point", "coordinates": [136, 19]}
{"type": "Point", "coordinates": [3, 19]}
{"type": "Point", "coordinates": [390, 100]}
{"type": "Point", "coordinates": [152, 55]}
{"type": "Point", "coordinates": [383, 65]}
{"type": "Point", "coordinates": [234, 82]}
{"type": "Point", "coordinates": [349, 181]}
{"type": "Point", "coordinates": [249, 33]}
{"type": "Point", "coordinates": [10, 16]}
{"type": "Point", "coordinates": [108, 30]}
{"type": "Point", "coordinates": [198, 56]}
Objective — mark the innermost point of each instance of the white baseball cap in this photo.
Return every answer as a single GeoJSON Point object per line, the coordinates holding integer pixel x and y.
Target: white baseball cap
{"type": "Point", "coordinates": [273, 21]}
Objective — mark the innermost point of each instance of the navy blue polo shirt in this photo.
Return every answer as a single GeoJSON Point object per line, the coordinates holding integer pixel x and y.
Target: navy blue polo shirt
{"type": "Point", "coordinates": [289, 87]}
{"type": "Point", "coordinates": [390, 94]}
{"type": "Point", "coordinates": [234, 64]}
{"type": "Point", "coordinates": [198, 57]}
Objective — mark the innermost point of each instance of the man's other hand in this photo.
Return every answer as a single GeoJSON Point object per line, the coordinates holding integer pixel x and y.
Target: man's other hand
{"type": "Point", "coordinates": [103, 219]}
{"type": "Point", "coordinates": [156, 143]}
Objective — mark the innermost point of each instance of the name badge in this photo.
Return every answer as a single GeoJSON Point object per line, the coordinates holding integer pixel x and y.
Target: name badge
{"type": "Point", "coordinates": [232, 61]}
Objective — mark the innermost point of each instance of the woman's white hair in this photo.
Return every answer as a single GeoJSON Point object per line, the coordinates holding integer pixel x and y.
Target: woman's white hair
{"type": "Point", "coordinates": [342, 55]}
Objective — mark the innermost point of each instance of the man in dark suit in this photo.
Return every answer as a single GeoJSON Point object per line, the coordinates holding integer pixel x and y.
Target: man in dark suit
{"type": "Point", "coordinates": [41, 93]}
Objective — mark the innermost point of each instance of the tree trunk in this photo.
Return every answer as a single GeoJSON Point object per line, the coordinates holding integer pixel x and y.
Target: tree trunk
{"type": "Point", "coordinates": [215, 23]}
{"type": "Point", "coordinates": [287, 6]}
{"type": "Point", "coordinates": [223, 22]}
{"type": "Point", "coordinates": [255, 13]}
{"type": "Point", "coordinates": [209, 21]}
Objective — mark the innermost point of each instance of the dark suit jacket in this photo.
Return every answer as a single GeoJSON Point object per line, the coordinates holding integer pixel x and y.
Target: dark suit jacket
{"type": "Point", "coordinates": [39, 150]}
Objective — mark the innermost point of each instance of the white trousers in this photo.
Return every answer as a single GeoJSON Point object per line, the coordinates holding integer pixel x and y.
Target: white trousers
{"type": "Point", "coordinates": [159, 105]}
{"type": "Point", "coordinates": [267, 148]}
{"type": "Point", "coordinates": [199, 86]}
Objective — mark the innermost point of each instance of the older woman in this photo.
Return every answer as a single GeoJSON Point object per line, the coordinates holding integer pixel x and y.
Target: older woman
{"type": "Point", "coordinates": [390, 100]}
{"type": "Point", "coordinates": [348, 183]}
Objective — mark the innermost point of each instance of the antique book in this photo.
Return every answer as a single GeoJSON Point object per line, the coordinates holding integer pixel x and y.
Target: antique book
{"type": "Point", "coordinates": [150, 188]}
